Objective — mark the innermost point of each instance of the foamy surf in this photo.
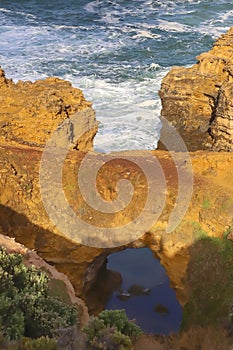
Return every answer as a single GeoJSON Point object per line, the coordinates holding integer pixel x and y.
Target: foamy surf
{"type": "Point", "coordinates": [116, 52]}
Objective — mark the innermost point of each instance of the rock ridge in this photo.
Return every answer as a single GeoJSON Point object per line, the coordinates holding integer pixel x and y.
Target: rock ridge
{"type": "Point", "coordinates": [197, 100]}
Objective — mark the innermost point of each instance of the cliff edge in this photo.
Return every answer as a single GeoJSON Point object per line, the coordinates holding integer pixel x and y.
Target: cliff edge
{"type": "Point", "coordinates": [198, 100]}
{"type": "Point", "coordinates": [30, 112]}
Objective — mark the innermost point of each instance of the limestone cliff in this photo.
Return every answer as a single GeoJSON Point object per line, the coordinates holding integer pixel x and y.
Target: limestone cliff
{"type": "Point", "coordinates": [30, 112]}
{"type": "Point", "coordinates": [23, 216]}
{"type": "Point", "coordinates": [22, 213]}
{"type": "Point", "coordinates": [192, 98]}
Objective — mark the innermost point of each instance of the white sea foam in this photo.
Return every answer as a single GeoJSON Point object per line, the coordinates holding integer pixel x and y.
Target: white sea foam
{"type": "Point", "coordinates": [173, 26]}
{"type": "Point", "coordinates": [209, 28]}
{"type": "Point", "coordinates": [21, 13]}
{"type": "Point", "coordinates": [154, 66]}
{"type": "Point", "coordinates": [129, 118]}
{"type": "Point", "coordinates": [145, 34]}
{"type": "Point", "coordinates": [217, 25]}
{"type": "Point", "coordinates": [5, 10]}
{"type": "Point", "coordinates": [111, 18]}
{"type": "Point", "coordinates": [225, 16]}
{"type": "Point", "coordinates": [147, 103]}
{"type": "Point", "coordinates": [114, 52]}
{"type": "Point", "coordinates": [90, 7]}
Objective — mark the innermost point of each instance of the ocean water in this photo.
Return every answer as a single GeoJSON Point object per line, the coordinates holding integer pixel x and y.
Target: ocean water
{"type": "Point", "coordinates": [116, 51]}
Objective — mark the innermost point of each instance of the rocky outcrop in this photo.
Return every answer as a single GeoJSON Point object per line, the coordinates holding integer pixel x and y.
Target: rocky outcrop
{"type": "Point", "coordinates": [23, 216]}
{"type": "Point", "coordinates": [30, 112]}
{"type": "Point", "coordinates": [222, 126]}
{"type": "Point", "coordinates": [192, 97]}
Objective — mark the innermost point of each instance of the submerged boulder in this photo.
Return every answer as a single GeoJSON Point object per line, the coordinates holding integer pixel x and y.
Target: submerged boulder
{"type": "Point", "coordinates": [137, 290]}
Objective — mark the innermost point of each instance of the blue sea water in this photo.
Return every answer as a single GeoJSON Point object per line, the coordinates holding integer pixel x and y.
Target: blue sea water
{"type": "Point", "coordinates": [116, 51]}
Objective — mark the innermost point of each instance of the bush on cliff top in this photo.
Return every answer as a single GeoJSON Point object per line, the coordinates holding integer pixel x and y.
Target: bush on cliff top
{"type": "Point", "coordinates": [43, 343]}
{"type": "Point", "coordinates": [111, 330]}
{"type": "Point", "coordinates": [26, 308]}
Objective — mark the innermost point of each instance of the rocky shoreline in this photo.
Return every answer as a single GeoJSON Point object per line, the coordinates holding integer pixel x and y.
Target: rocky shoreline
{"type": "Point", "coordinates": [196, 100]}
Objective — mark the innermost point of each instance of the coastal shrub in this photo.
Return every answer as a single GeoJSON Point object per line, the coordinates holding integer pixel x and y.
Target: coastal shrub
{"type": "Point", "coordinates": [203, 338]}
{"type": "Point", "coordinates": [209, 279]}
{"type": "Point", "coordinates": [111, 330]}
{"type": "Point", "coordinates": [26, 308]}
{"type": "Point", "coordinates": [43, 343]}
{"type": "Point", "coordinates": [119, 320]}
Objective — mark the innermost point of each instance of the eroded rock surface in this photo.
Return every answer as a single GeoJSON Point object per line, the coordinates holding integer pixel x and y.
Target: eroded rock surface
{"type": "Point", "coordinates": [222, 126]}
{"type": "Point", "coordinates": [22, 212]}
{"type": "Point", "coordinates": [30, 112]}
{"type": "Point", "coordinates": [192, 98]}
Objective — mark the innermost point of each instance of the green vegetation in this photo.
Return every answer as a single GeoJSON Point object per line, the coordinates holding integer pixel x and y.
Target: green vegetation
{"type": "Point", "coordinates": [26, 307]}
{"type": "Point", "coordinates": [199, 232]}
{"type": "Point", "coordinates": [111, 330]}
{"type": "Point", "coordinates": [228, 230]}
{"type": "Point", "coordinates": [206, 203]}
{"type": "Point", "coordinates": [210, 281]}
{"type": "Point", "coordinates": [43, 343]}
{"type": "Point", "coordinates": [32, 311]}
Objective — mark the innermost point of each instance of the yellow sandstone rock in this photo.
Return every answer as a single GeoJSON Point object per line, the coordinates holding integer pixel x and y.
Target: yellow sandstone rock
{"type": "Point", "coordinates": [193, 98]}
{"type": "Point", "coordinates": [30, 112]}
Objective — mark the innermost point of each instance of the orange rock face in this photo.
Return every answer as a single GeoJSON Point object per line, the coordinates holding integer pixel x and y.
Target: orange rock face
{"type": "Point", "coordinates": [190, 97]}
{"type": "Point", "coordinates": [222, 126]}
{"type": "Point", "coordinates": [22, 212]}
{"type": "Point", "coordinates": [30, 112]}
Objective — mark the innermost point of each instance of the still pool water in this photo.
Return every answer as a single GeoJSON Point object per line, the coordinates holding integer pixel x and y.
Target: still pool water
{"type": "Point", "coordinates": [136, 281]}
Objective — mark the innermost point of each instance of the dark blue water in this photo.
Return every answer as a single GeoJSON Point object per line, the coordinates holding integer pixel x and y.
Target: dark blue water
{"type": "Point", "coordinates": [139, 267]}
{"type": "Point", "coordinates": [116, 51]}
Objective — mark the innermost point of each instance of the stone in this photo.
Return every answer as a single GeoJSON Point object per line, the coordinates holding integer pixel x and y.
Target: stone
{"type": "Point", "coordinates": [161, 309]}
{"type": "Point", "coordinates": [190, 95]}
{"type": "Point", "coordinates": [137, 290]}
{"type": "Point", "coordinates": [23, 216]}
{"type": "Point", "coordinates": [123, 295]}
{"type": "Point", "coordinates": [31, 112]}
{"type": "Point", "coordinates": [222, 126]}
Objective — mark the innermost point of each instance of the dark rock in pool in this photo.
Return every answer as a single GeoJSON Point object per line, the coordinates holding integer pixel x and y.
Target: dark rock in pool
{"type": "Point", "coordinates": [161, 309]}
{"type": "Point", "coordinates": [138, 290]}
{"type": "Point", "coordinates": [123, 295]}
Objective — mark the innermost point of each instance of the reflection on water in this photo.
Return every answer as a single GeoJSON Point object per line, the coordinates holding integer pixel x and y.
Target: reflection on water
{"type": "Point", "coordinates": [135, 281]}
